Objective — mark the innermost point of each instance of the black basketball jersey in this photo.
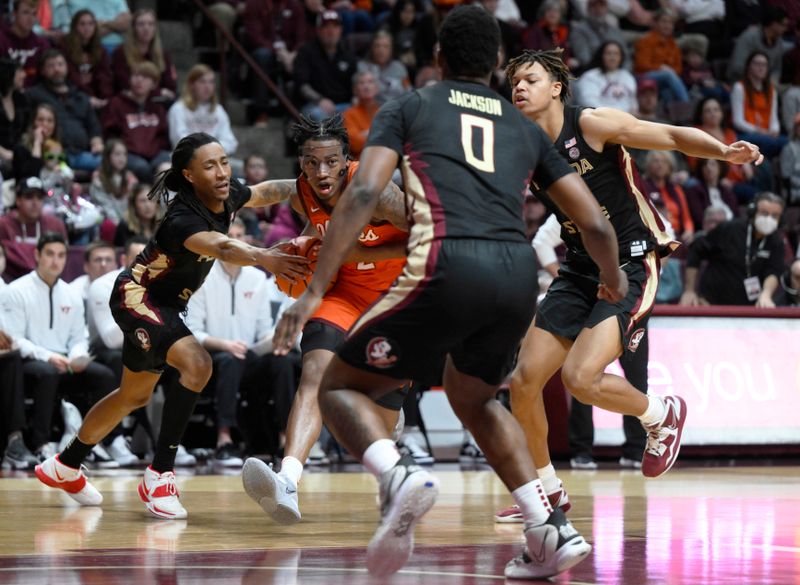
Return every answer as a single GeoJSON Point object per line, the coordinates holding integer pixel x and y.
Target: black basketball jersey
{"type": "Point", "coordinates": [613, 179]}
{"type": "Point", "coordinates": [467, 156]}
{"type": "Point", "coordinates": [168, 271]}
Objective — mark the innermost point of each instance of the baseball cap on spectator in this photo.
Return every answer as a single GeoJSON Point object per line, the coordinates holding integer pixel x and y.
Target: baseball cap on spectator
{"type": "Point", "coordinates": [30, 186]}
{"type": "Point", "coordinates": [647, 85]}
{"type": "Point", "coordinates": [329, 17]}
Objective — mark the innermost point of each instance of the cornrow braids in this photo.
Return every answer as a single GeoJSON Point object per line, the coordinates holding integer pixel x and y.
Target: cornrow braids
{"type": "Point", "coordinates": [329, 129]}
{"type": "Point", "coordinates": [172, 180]}
{"type": "Point", "coordinates": [552, 61]}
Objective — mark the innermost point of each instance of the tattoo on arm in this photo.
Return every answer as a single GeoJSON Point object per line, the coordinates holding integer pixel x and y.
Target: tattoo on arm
{"type": "Point", "coordinates": [271, 192]}
{"type": "Point", "coordinates": [392, 207]}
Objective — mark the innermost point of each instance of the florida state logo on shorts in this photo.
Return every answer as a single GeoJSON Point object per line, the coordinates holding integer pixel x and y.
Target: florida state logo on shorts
{"type": "Point", "coordinates": [379, 353]}
{"type": "Point", "coordinates": [636, 339]}
{"type": "Point", "coordinates": [143, 338]}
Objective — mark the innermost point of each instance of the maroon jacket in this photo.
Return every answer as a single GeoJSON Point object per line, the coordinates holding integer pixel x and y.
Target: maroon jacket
{"type": "Point", "coordinates": [95, 80]}
{"type": "Point", "coordinates": [143, 128]}
{"type": "Point", "coordinates": [268, 21]}
{"type": "Point", "coordinates": [25, 51]}
{"type": "Point", "coordinates": [121, 72]}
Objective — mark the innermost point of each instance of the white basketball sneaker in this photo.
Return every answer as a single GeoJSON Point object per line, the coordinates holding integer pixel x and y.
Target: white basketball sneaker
{"type": "Point", "coordinates": [407, 492]}
{"type": "Point", "coordinates": [274, 492]}
{"type": "Point", "coordinates": [53, 473]}
{"type": "Point", "coordinates": [160, 495]}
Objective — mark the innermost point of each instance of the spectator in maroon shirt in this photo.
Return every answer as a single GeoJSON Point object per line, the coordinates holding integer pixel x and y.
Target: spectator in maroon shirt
{"type": "Point", "coordinates": [20, 43]}
{"type": "Point", "coordinates": [87, 61]}
{"type": "Point", "coordinates": [143, 43]}
{"type": "Point", "coordinates": [140, 121]}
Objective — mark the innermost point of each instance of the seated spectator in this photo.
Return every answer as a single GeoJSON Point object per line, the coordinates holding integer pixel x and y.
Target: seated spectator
{"type": "Point", "coordinates": [140, 122]}
{"type": "Point", "coordinates": [706, 17]}
{"type": "Point", "coordinates": [46, 319]}
{"type": "Point", "coordinates": [550, 32]}
{"type": "Point", "coordinates": [587, 35]}
{"type": "Point", "coordinates": [510, 34]}
{"type": "Point", "coordinates": [229, 336]}
{"type": "Point", "coordinates": [12, 396]}
{"type": "Point", "coordinates": [764, 38]}
{"type": "Point", "coordinates": [21, 228]}
{"type": "Point", "coordinates": [113, 182]}
{"type": "Point", "coordinates": [607, 84]}
{"type": "Point", "coordinates": [754, 107]}
{"type": "Point", "coordinates": [16, 111]}
{"type": "Point", "coordinates": [323, 70]}
{"type": "Point", "coordinates": [647, 102]}
{"type": "Point", "coordinates": [143, 44]}
{"type": "Point", "coordinates": [80, 129]}
{"type": "Point", "coordinates": [274, 31]}
{"type": "Point", "coordinates": [744, 259]}
{"type": "Point", "coordinates": [28, 160]}
{"type": "Point", "coordinates": [113, 19]}
{"type": "Point", "coordinates": [88, 62]}
{"type": "Point", "coordinates": [402, 25]}
{"type": "Point", "coordinates": [426, 34]}
{"type": "Point", "coordinates": [709, 189]}
{"type": "Point", "coordinates": [698, 77]}
{"type": "Point", "coordinates": [197, 110]}
{"type": "Point", "coordinates": [99, 258]}
{"type": "Point", "coordinates": [19, 43]}
{"type": "Point", "coordinates": [788, 293]}
{"type": "Point", "coordinates": [391, 74]}
{"type": "Point", "coordinates": [140, 219]}
{"type": "Point", "coordinates": [790, 75]}
{"type": "Point", "coordinates": [358, 117]}
{"type": "Point", "coordinates": [659, 166]}
{"type": "Point", "coordinates": [790, 165]}
{"type": "Point", "coordinates": [658, 57]}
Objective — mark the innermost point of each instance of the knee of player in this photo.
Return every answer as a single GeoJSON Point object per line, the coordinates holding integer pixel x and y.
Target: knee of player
{"type": "Point", "coordinates": [197, 370]}
{"type": "Point", "coordinates": [523, 383]}
{"type": "Point", "coordinates": [580, 381]}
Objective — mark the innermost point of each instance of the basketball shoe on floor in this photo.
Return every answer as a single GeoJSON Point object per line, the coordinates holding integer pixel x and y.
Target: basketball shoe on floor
{"type": "Point", "coordinates": [513, 515]}
{"type": "Point", "coordinates": [408, 445]}
{"type": "Point", "coordinates": [53, 473]}
{"type": "Point", "coordinates": [664, 439]}
{"type": "Point", "coordinates": [18, 456]}
{"type": "Point", "coordinates": [160, 495]}
{"type": "Point", "coordinates": [317, 455]}
{"type": "Point", "coordinates": [274, 492]}
{"type": "Point", "coordinates": [552, 548]}
{"type": "Point", "coordinates": [407, 492]}
{"type": "Point", "coordinates": [470, 452]}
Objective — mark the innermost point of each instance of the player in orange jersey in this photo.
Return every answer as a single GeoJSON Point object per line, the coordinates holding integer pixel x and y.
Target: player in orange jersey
{"type": "Point", "coordinates": [368, 273]}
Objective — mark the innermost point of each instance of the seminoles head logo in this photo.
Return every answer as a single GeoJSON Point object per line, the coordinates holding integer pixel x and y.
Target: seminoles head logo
{"type": "Point", "coordinates": [636, 339]}
{"type": "Point", "coordinates": [379, 352]}
{"type": "Point", "coordinates": [143, 338]}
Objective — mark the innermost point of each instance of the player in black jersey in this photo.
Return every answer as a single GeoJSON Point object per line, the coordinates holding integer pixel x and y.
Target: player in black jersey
{"type": "Point", "coordinates": [575, 328]}
{"type": "Point", "coordinates": [464, 297]}
{"type": "Point", "coordinates": [147, 302]}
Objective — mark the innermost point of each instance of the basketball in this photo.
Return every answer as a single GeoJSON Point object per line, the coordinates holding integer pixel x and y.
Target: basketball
{"type": "Point", "coordinates": [307, 246]}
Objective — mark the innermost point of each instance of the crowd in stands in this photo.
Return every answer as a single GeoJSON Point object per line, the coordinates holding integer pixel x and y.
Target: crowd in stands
{"type": "Point", "coordinates": [92, 106]}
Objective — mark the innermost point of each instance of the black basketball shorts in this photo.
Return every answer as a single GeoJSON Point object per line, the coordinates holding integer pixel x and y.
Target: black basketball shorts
{"type": "Point", "coordinates": [471, 299]}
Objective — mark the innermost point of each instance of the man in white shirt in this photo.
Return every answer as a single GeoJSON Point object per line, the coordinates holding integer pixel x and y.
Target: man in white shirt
{"type": "Point", "coordinates": [99, 258]}
{"type": "Point", "coordinates": [45, 317]}
{"type": "Point", "coordinates": [231, 316]}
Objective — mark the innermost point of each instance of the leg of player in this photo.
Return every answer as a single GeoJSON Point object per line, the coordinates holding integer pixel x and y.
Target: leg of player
{"type": "Point", "coordinates": [583, 375]}
{"type": "Point", "coordinates": [407, 491]}
{"type": "Point", "coordinates": [556, 545]}
{"type": "Point", "coordinates": [64, 470]}
{"type": "Point", "coordinates": [540, 356]}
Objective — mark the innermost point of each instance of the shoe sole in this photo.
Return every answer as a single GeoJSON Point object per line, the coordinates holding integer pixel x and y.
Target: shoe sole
{"type": "Point", "coordinates": [678, 438]}
{"type": "Point", "coordinates": [393, 542]}
{"type": "Point", "coordinates": [260, 484]}
{"type": "Point", "coordinates": [155, 511]}
{"type": "Point", "coordinates": [509, 519]}
{"type": "Point", "coordinates": [564, 559]}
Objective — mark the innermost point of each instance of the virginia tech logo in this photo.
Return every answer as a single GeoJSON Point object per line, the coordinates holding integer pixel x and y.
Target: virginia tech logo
{"type": "Point", "coordinates": [143, 338]}
{"type": "Point", "coordinates": [379, 353]}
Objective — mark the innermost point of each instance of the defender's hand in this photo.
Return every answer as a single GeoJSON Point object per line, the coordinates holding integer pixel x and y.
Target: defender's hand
{"type": "Point", "coordinates": [293, 321]}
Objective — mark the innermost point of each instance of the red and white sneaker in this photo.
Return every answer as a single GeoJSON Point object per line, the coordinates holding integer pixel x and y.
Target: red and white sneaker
{"type": "Point", "coordinates": [513, 515]}
{"type": "Point", "coordinates": [664, 439]}
{"type": "Point", "coordinates": [55, 474]}
{"type": "Point", "coordinates": [159, 492]}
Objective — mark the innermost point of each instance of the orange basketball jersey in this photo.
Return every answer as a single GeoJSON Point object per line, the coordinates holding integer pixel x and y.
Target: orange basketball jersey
{"type": "Point", "coordinates": [374, 276]}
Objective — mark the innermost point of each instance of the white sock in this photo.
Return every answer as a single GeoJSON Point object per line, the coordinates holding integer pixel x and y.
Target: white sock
{"type": "Point", "coordinates": [655, 411]}
{"type": "Point", "coordinates": [533, 503]}
{"type": "Point", "coordinates": [381, 456]}
{"type": "Point", "coordinates": [292, 469]}
{"type": "Point", "coordinates": [547, 475]}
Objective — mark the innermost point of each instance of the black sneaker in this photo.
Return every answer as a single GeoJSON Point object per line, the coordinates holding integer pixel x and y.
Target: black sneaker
{"type": "Point", "coordinates": [228, 455]}
{"type": "Point", "coordinates": [18, 456]}
{"type": "Point", "coordinates": [583, 462]}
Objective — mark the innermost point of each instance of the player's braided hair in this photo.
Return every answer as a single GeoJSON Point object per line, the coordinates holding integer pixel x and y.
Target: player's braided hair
{"type": "Point", "coordinates": [172, 180]}
{"type": "Point", "coordinates": [552, 61]}
{"type": "Point", "coordinates": [329, 129]}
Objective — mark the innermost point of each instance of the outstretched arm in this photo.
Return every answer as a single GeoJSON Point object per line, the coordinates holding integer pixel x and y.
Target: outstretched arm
{"type": "Point", "coordinates": [271, 192]}
{"type": "Point", "coordinates": [607, 125]}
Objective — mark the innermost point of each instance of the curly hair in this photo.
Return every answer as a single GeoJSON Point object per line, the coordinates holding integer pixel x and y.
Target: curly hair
{"type": "Point", "coordinates": [552, 61]}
